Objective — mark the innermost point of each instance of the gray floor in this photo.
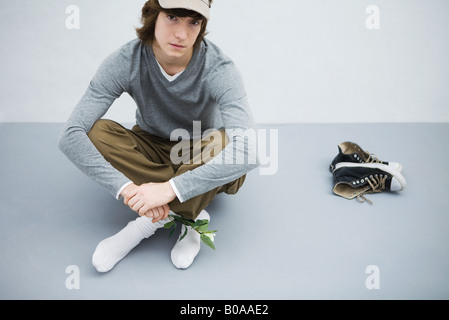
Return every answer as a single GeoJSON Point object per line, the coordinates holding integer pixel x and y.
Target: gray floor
{"type": "Point", "coordinates": [284, 236]}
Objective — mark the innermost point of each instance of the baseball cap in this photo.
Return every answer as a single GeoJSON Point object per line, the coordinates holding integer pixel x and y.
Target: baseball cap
{"type": "Point", "coordinates": [200, 6]}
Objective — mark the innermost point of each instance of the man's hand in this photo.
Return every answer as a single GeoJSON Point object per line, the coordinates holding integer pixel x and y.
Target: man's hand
{"type": "Point", "coordinates": [149, 199]}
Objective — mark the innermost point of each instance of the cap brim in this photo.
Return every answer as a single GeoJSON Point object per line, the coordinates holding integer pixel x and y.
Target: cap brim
{"type": "Point", "coordinates": [200, 6]}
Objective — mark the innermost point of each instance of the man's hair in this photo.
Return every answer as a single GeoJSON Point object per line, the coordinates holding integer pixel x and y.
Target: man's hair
{"type": "Point", "coordinates": [150, 12]}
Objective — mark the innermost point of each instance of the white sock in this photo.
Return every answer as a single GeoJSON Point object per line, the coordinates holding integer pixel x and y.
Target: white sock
{"type": "Point", "coordinates": [115, 248]}
{"type": "Point", "coordinates": [185, 251]}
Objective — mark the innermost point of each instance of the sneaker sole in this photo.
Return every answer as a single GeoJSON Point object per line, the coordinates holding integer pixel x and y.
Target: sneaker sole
{"type": "Point", "coordinates": [394, 173]}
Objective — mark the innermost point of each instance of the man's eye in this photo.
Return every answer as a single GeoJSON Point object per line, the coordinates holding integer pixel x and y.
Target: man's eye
{"type": "Point", "coordinates": [170, 17]}
{"type": "Point", "coordinates": [195, 22]}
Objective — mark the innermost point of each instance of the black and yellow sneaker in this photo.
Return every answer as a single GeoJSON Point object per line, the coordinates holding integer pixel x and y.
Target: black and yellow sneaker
{"type": "Point", "coordinates": [354, 180]}
{"type": "Point", "coordinates": [353, 153]}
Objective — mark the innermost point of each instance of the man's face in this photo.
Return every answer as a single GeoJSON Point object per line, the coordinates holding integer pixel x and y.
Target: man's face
{"type": "Point", "coordinates": [176, 36]}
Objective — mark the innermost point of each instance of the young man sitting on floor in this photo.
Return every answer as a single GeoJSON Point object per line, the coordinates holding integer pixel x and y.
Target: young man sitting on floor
{"type": "Point", "coordinates": [180, 81]}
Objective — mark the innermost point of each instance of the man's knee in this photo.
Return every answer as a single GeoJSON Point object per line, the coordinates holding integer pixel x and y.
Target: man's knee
{"type": "Point", "coordinates": [101, 130]}
{"type": "Point", "coordinates": [234, 186]}
{"type": "Point", "coordinates": [99, 126]}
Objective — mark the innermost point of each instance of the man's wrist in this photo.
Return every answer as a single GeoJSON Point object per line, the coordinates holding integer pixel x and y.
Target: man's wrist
{"type": "Point", "coordinates": [176, 191]}
{"type": "Point", "coordinates": [126, 188]}
{"type": "Point", "coordinates": [170, 191]}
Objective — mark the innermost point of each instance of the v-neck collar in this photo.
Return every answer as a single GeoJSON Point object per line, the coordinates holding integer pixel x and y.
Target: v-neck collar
{"type": "Point", "coordinates": [155, 65]}
{"type": "Point", "coordinates": [166, 75]}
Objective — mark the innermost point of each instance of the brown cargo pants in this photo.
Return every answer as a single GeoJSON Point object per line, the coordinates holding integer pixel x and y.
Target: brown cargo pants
{"type": "Point", "coordinates": [145, 158]}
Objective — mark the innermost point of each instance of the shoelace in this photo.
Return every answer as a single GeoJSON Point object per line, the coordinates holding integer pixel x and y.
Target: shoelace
{"type": "Point", "coordinates": [372, 158]}
{"type": "Point", "coordinates": [376, 184]}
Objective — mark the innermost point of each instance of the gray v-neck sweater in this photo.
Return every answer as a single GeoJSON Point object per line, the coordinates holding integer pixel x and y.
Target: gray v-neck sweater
{"type": "Point", "coordinates": [210, 90]}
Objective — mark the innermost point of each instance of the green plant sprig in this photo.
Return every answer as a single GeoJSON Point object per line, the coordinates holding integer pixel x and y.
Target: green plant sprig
{"type": "Point", "coordinates": [200, 226]}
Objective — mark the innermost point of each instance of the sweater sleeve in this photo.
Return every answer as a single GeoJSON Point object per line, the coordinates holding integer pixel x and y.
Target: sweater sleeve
{"type": "Point", "coordinates": [108, 83]}
{"type": "Point", "coordinates": [240, 155]}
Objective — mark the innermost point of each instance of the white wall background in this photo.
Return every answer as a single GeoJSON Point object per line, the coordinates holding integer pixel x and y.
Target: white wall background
{"type": "Point", "coordinates": [303, 61]}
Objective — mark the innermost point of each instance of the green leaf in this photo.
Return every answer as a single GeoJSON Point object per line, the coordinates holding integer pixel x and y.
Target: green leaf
{"type": "Point", "coordinates": [201, 222]}
{"type": "Point", "coordinates": [184, 234]}
{"type": "Point", "coordinates": [170, 224]}
{"type": "Point", "coordinates": [207, 241]}
{"type": "Point", "coordinates": [201, 225]}
{"type": "Point", "coordinates": [173, 230]}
